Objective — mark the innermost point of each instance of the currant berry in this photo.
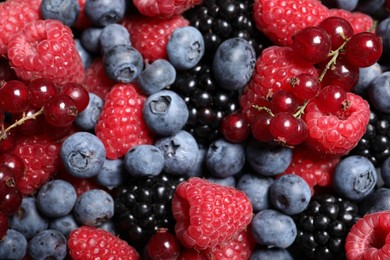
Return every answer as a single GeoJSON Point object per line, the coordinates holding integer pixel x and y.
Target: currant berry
{"type": "Point", "coordinates": [287, 129]}
{"type": "Point", "coordinates": [305, 86]}
{"type": "Point", "coordinates": [40, 91]}
{"type": "Point", "coordinates": [363, 49]}
{"type": "Point", "coordinates": [31, 126]}
{"type": "Point", "coordinates": [235, 128]}
{"type": "Point", "coordinates": [7, 181]}
{"type": "Point", "coordinates": [60, 110]}
{"type": "Point", "coordinates": [56, 133]}
{"type": "Point", "coordinates": [78, 93]}
{"type": "Point", "coordinates": [7, 139]}
{"type": "Point", "coordinates": [312, 44]}
{"type": "Point", "coordinates": [283, 101]}
{"type": "Point", "coordinates": [3, 225]}
{"type": "Point", "coordinates": [15, 163]}
{"type": "Point", "coordinates": [331, 99]}
{"type": "Point", "coordinates": [163, 246]}
{"type": "Point", "coordinates": [260, 127]}
{"type": "Point", "coordinates": [14, 96]}
{"type": "Point", "coordinates": [338, 30]}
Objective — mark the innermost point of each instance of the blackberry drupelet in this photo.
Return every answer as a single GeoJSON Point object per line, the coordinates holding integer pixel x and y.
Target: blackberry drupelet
{"type": "Point", "coordinates": [207, 102]}
{"type": "Point", "coordinates": [375, 143]}
{"type": "Point", "coordinates": [142, 205]}
{"type": "Point", "coordinates": [323, 227]}
{"type": "Point", "coordinates": [219, 20]}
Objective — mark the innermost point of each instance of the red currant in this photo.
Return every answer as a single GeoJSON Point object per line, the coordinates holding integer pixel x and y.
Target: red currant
{"type": "Point", "coordinates": [363, 49]}
{"type": "Point", "coordinates": [57, 133]}
{"type": "Point", "coordinates": [3, 224]}
{"type": "Point", "coordinates": [305, 86]}
{"type": "Point", "coordinates": [31, 126]}
{"type": "Point", "coordinates": [163, 246]}
{"type": "Point", "coordinates": [288, 129]}
{"type": "Point", "coordinates": [260, 127]}
{"type": "Point", "coordinates": [40, 91]}
{"type": "Point", "coordinates": [312, 44]}
{"type": "Point", "coordinates": [7, 181]}
{"type": "Point", "coordinates": [235, 128]}
{"type": "Point", "coordinates": [283, 101]}
{"type": "Point", "coordinates": [60, 110]}
{"type": "Point", "coordinates": [15, 163]}
{"type": "Point", "coordinates": [338, 29]}
{"type": "Point", "coordinates": [331, 99]}
{"type": "Point", "coordinates": [11, 202]}
{"type": "Point", "coordinates": [14, 96]}
{"type": "Point", "coordinates": [7, 140]}
{"type": "Point", "coordinates": [78, 93]}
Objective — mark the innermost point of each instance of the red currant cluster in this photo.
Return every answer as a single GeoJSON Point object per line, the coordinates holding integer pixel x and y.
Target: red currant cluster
{"type": "Point", "coordinates": [337, 53]}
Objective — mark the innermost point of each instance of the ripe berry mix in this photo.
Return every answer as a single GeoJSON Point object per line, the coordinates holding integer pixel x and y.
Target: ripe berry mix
{"type": "Point", "coordinates": [190, 129]}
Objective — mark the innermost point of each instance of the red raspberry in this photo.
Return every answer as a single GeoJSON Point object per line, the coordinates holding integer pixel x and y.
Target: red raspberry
{"type": "Point", "coordinates": [96, 79]}
{"type": "Point", "coordinates": [192, 254]}
{"type": "Point", "coordinates": [46, 49]}
{"type": "Point", "coordinates": [14, 14]}
{"type": "Point", "coordinates": [337, 134]}
{"type": "Point", "coordinates": [208, 214]}
{"type": "Point", "coordinates": [150, 35]}
{"type": "Point", "coordinates": [360, 22]}
{"type": "Point", "coordinates": [40, 155]}
{"type": "Point", "coordinates": [314, 169]}
{"type": "Point", "coordinates": [163, 8]}
{"type": "Point", "coordinates": [369, 237]}
{"type": "Point", "coordinates": [121, 125]}
{"type": "Point", "coordinates": [92, 243]}
{"type": "Point", "coordinates": [275, 68]}
{"type": "Point", "coordinates": [281, 19]}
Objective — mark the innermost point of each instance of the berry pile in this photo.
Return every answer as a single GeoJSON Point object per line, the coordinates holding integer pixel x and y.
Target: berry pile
{"type": "Point", "coordinates": [189, 129]}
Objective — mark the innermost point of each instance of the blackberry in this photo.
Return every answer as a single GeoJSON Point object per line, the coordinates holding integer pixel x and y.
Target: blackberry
{"type": "Point", "coordinates": [142, 205]}
{"type": "Point", "coordinates": [219, 20]}
{"type": "Point", "coordinates": [323, 226]}
{"type": "Point", "coordinates": [375, 143]}
{"type": "Point", "coordinates": [207, 102]}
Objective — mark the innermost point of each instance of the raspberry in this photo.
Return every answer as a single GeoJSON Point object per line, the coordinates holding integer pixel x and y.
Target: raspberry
{"type": "Point", "coordinates": [96, 79]}
{"type": "Point", "coordinates": [281, 19]}
{"type": "Point", "coordinates": [14, 14]}
{"type": "Point", "coordinates": [40, 155]}
{"type": "Point", "coordinates": [164, 9]}
{"type": "Point", "coordinates": [150, 35]}
{"type": "Point", "coordinates": [92, 243]}
{"type": "Point", "coordinates": [340, 133]}
{"type": "Point", "coordinates": [208, 214]}
{"type": "Point", "coordinates": [360, 22]}
{"type": "Point", "coordinates": [275, 68]}
{"type": "Point", "coordinates": [121, 125]}
{"type": "Point", "coordinates": [369, 237]}
{"type": "Point", "coordinates": [46, 49]}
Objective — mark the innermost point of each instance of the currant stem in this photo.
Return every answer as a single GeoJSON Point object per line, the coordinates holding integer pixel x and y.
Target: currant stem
{"type": "Point", "coordinates": [264, 108]}
{"type": "Point", "coordinates": [301, 110]}
{"type": "Point", "coordinates": [334, 54]}
{"type": "Point", "coordinates": [3, 134]}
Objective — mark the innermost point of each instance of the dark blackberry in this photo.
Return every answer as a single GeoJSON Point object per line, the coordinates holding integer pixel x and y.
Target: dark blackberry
{"type": "Point", "coordinates": [207, 102]}
{"type": "Point", "coordinates": [219, 20]}
{"type": "Point", "coordinates": [375, 143]}
{"type": "Point", "coordinates": [142, 205]}
{"type": "Point", "coordinates": [323, 227]}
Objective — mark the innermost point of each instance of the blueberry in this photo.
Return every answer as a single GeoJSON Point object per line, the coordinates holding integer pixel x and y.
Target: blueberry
{"type": "Point", "coordinates": [374, 8]}
{"type": "Point", "coordinates": [271, 254]}
{"type": "Point", "coordinates": [256, 189]}
{"type": "Point", "coordinates": [379, 92]}
{"type": "Point", "coordinates": [109, 226]}
{"type": "Point", "coordinates": [112, 174]}
{"type": "Point", "coordinates": [56, 198]}
{"type": "Point", "coordinates": [229, 181]}
{"type": "Point", "coordinates": [165, 112]}
{"type": "Point", "coordinates": [348, 5]}
{"type": "Point", "coordinates": [383, 30]}
{"type": "Point", "coordinates": [385, 172]}
{"type": "Point", "coordinates": [268, 159]}
{"type": "Point", "coordinates": [354, 177]}
{"type": "Point", "coordinates": [290, 194]}
{"type": "Point", "coordinates": [83, 154]}
{"type": "Point", "coordinates": [66, 11]}
{"type": "Point", "coordinates": [48, 244]}
{"type": "Point", "coordinates": [366, 76]}
{"type": "Point", "coordinates": [144, 160]}
{"type": "Point", "coordinates": [198, 168]}
{"type": "Point", "coordinates": [90, 39]}
{"type": "Point", "coordinates": [224, 159]}
{"type": "Point", "coordinates": [113, 35]}
{"type": "Point", "coordinates": [123, 63]}
{"type": "Point", "coordinates": [65, 224]}
{"type": "Point", "coordinates": [105, 12]}
{"type": "Point", "coordinates": [273, 228]}
{"type": "Point", "coordinates": [87, 119]}
{"type": "Point", "coordinates": [185, 47]}
{"type": "Point", "coordinates": [378, 200]}
{"type": "Point", "coordinates": [180, 152]}
{"type": "Point", "coordinates": [28, 220]}
{"type": "Point", "coordinates": [233, 63]}
{"type": "Point", "coordinates": [13, 245]}
{"type": "Point", "coordinates": [86, 57]}
{"type": "Point", "coordinates": [156, 76]}
{"type": "Point", "coordinates": [94, 207]}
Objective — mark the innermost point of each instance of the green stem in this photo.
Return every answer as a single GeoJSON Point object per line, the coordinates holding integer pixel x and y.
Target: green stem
{"type": "Point", "coordinates": [334, 54]}
{"type": "Point", "coordinates": [264, 108]}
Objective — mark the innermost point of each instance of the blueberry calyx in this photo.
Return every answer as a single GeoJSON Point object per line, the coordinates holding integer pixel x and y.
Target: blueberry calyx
{"type": "Point", "coordinates": [364, 182]}
{"type": "Point", "coordinates": [160, 105]}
